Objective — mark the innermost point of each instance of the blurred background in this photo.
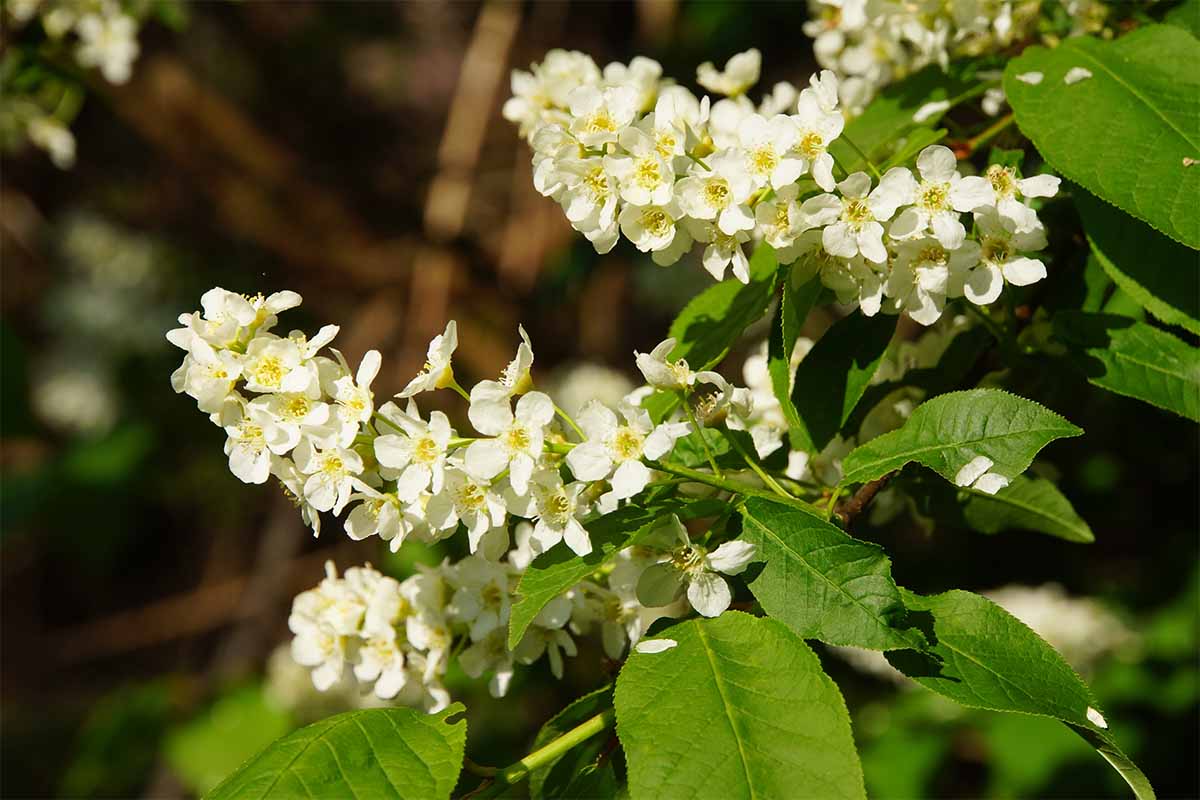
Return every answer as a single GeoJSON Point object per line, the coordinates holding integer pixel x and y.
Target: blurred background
{"type": "Point", "coordinates": [355, 152]}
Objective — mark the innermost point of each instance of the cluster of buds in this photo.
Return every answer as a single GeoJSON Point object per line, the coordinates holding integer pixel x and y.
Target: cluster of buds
{"type": "Point", "coordinates": [625, 152]}
{"type": "Point", "coordinates": [871, 43]}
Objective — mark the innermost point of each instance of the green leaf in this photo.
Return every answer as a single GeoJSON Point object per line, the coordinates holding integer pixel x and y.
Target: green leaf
{"type": "Point", "coordinates": [565, 775]}
{"type": "Point", "coordinates": [949, 431]}
{"type": "Point", "coordinates": [1163, 276]}
{"type": "Point", "coordinates": [1124, 132]}
{"type": "Point", "coordinates": [913, 144]}
{"type": "Point", "coordinates": [714, 320]}
{"type": "Point", "coordinates": [833, 376]}
{"type": "Point", "coordinates": [1133, 359]}
{"type": "Point", "coordinates": [379, 752]}
{"type": "Point", "coordinates": [211, 746]}
{"type": "Point", "coordinates": [557, 570]}
{"type": "Point", "coordinates": [1033, 504]}
{"type": "Point", "coordinates": [1186, 15]}
{"type": "Point", "coordinates": [881, 129]}
{"type": "Point", "coordinates": [983, 657]}
{"type": "Point", "coordinates": [739, 708]}
{"type": "Point", "coordinates": [794, 307]}
{"type": "Point", "coordinates": [822, 583]}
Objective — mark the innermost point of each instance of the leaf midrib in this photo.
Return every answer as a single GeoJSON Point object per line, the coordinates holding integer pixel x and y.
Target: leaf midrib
{"type": "Point", "coordinates": [1001, 498]}
{"type": "Point", "coordinates": [712, 665]}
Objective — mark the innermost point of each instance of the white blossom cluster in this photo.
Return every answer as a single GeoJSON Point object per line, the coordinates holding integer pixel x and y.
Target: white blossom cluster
{"type": "Point", "coordinates": [311, 422]}
{"type": "Point", "coordinates": [101, 36]}
{"type": "Point", "coordinates": [624, 152]}
{"type": "Point", "coordinates": [869, 44]}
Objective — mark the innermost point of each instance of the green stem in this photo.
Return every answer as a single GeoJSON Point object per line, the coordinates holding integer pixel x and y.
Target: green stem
{"type": "Point", "coordinates": [461, 391]}
{"type": "Point", "coordinates": [712, 461]}
{"type": "Point", "coordinates": [390, 424]}
{"type": "Point", "coordinates": [516, 772]}
{"type": "Point", "coordinates": [699, 161]}
{"type": "Point", "coordinates": [567, 418]}
{"type": "Point", "coordinates": [870, 164]}
{"type": "Point", "coordinates": [731, 486]}
{"type": "Point", "coordinates": [989, 133]}
{"type": "Point", "coordinates": [987, 321]}
{"type": "Point", "coordinates": [459, 441]}
{"type": "Point", "coordinates": [771, 483]}
{"type": "Point", "coordinates": [833, 498]}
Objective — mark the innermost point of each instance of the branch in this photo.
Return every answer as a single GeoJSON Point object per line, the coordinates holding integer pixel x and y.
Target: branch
{"type": "Point", "coordinates": [859, 501]}
{"type": "Point", "coordinates": [514, 773]}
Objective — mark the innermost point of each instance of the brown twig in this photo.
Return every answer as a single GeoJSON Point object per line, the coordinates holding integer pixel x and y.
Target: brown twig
{"type": "Point", "coordinates": [859, 501]}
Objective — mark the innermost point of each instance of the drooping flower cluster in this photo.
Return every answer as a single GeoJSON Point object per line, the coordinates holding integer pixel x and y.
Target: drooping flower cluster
{"type": "Point", "coordinates": [869, 44]}
{"type": "Point", "coordinates": [311, 422]}
{"type": "Point", "coordinates": [100, 34]}
{"type": "Point", "coordinates": [625, 152]}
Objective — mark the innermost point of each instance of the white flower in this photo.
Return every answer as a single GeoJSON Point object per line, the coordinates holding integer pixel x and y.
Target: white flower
{"type": "Point", "coordinates": [853, 221]}
{"type": "Point", "coordinates": [55, 138]}
{"type": "Point", "coordinates": [490, 654]}
{"type": "Point", "coordinates": [481, 599]}
{"type": "Point", "coordinates": [1008, 189]}
{"type": "Point", "coordinates": [641, 74]}
{"type": "Point", "coordinates": [514, 380]}
{"type": "Point", "coordinates": [546, 635]}
{"type": "Point", "coordinates": [651, 228]}
{"type": "Point", "coordinates": [108, 40]}
{"type": "Point", "coordinates": [767, 147]}
{"type": "Point", "coordinates": [720, 194]}
{"type": "Point", "coordinates": [273, 364]}
{"type": "Point", "coordinates": [379, 514]}
{"type": "Point", "coordinates": [930, 110]}
{"type": "Point", "coordinates": [556, 508]}
{"type": "Point", "coordinates": [817, 126]}
{"type": "Point", "coordinates": [975, 474]}
{"type": "Point", "coordinates": [467, 499]}
{"type": "Point", "coordinates": [331, 472]}
{"type": "Point", "coordinates": [692, 569]}
{"type": "Point", "coordinates": [517, 442]}
{"type": "Point", "coordinates": [922, 275]}
{"type": "Point", "coordinates": [418, 450]}
{"type": "Point", "coordinates": [589, 199]}
{"type": "Point", "coordinates": [723, 251]}
{"type": "Point", "coordinates": [207, 375]}
{"type": "Point", "coordinates": [779, 221]}
{"type": "Point", "coordinates": [940, 196]}
{"type": "Point", "coordinates": [662, 373]}
{"type": "Point", "coordinates": [381, 661]}
{"type": "Point", "coordinates": [645, 176]}
{"type": "Point", "coordinates": [292, 481]}
{"type": "Point", "coordinates": [287, 417]}
{"type": "Point", "coordinates": [616, 449]}
{"type": "Point", "coordinates": [599, 115]}
{"type": "Point", "coordinates": [1000, 257]}
{"type": "Point", "coordinates": [437, 372]}
{"type": "Point", "coordinates": [249, 456]}
{"type": "Point", "coordinates": [740, 73]}
{"type": "Point", "coordinates": [355, 402]}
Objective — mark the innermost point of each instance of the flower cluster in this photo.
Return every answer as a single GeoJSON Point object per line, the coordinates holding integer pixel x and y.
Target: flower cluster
{"type": "Point", "coordinates": [624, 152]}
{"type": "Point", "coordinates": [869, 44]}
{"type": "Point", "coordinates": [311, 422]}
{"type": "Point", "coordinates": [101, 35]}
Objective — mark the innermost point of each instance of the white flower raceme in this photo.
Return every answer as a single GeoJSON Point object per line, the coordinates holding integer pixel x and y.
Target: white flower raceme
{"type": "Point", "coordinates": [690, 569]}
{"type": "Point", "coordinates": [615, 447]}
{"type": "Point", "coordinates": [107, 40]}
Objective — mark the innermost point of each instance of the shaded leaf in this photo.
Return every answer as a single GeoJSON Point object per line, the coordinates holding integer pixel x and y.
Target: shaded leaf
{"type": "Point", "coordinates": [1163, 276]}
{"type": "Point", "coordinates": [983, 657]}
{"type": "Point", "coordinates": [569, 774]}
{"type": "Point", "coordinates": [1033, 504]}
{"type": "Point", "coordinates": [833, 376]}
{"type": "Point", "coordinates": [794, 307]}
{"type": "Point", "coordinates": [1134, 359]}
